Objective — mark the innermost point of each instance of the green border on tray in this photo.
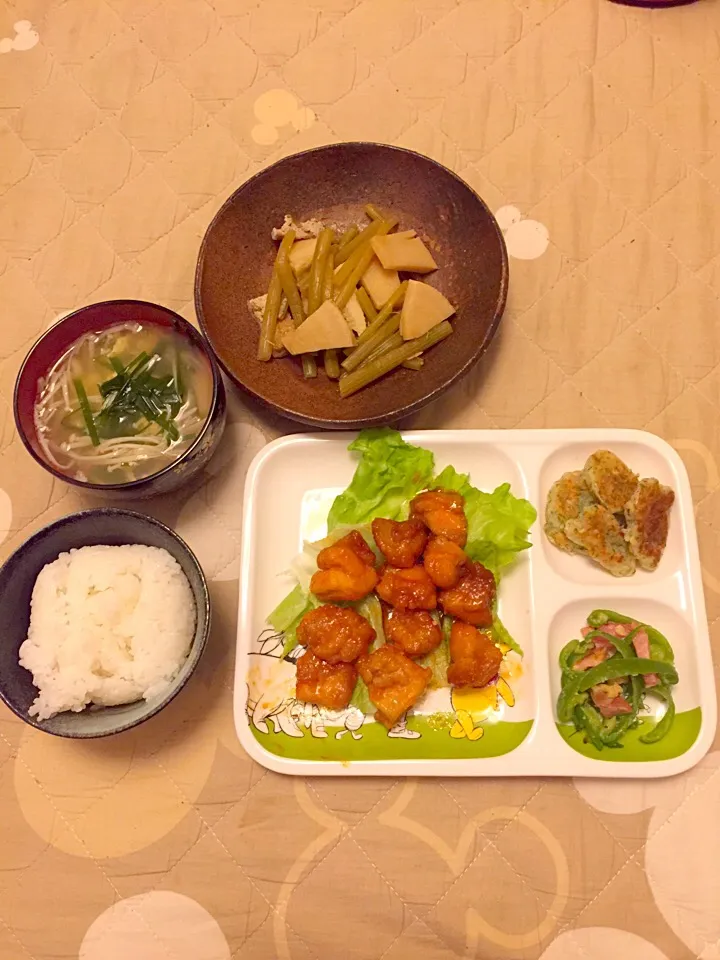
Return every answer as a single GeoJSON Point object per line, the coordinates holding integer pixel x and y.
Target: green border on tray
{"type": "Point", "coordinates": [434, 742]}
{"type": "Point", "coordinates": [683, 734]}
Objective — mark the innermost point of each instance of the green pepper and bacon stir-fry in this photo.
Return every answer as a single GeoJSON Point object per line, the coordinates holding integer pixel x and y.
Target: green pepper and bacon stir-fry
{"type": "Point", "coordinates": [607, 676]}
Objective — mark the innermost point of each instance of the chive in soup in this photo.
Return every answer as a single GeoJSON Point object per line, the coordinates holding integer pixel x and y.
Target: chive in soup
{"type": "Point", "coordinates": [122, 404]}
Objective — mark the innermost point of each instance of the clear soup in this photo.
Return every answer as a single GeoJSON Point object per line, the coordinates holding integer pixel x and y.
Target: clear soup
{"type": "Point", "coordinates": [122, 404]}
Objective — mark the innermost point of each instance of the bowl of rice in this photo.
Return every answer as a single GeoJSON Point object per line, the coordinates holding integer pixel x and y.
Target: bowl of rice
{"type": "Point", "coordinates": [104, 616]}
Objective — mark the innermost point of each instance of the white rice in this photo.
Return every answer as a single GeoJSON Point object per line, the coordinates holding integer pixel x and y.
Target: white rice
{"type": "Point", "coordinates": [108, 625]}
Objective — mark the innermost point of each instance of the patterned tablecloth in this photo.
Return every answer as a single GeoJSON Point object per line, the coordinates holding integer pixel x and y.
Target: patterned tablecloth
{"type": "Point", "coordinates": [594, 130]}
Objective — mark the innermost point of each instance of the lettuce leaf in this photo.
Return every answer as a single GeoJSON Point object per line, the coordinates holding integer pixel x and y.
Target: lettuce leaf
{"type": "Point", "coordinates": [498, 522]}
{"type": "Point", "coordinates": [287, 615]}
{"type": "Point", "coordinates": [388, 476]}
{"type": "Point", "coordinates": [439, 659]}
{"type": "Point", "coordinates": [361, 698]}
{"type": "Point", "coordinates": [501, 635]}
{"type": "Point", "coordinates": [295, 605]}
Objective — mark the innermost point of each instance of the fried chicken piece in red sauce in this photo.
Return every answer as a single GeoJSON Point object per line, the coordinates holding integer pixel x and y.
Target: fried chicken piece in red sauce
{"type": "Point", "coordinates": [413, 631]}
{"type": "Point", "coordinates": [335, 634]}
{"type": "Point", "coordinates": [471, 600]}
{"type": "Point", "coordinates": [346, 570]}
{"type": "Point", "coordinates": [328, 685]}
{"type": "Point", "coordinates": [400, 542]}
{"type": "Point", "coordinates": [393, 680]}
{"type": "Point", "coordinates": [475, 658]}
{"type": "Point", "coordinates": [443, 511]}
{"type": "Point", "coordinates": [445, 562]}
{"type": "Point", "coordinates": [407, 589]}
{"type": "Point", "coordinates": [357, 543]}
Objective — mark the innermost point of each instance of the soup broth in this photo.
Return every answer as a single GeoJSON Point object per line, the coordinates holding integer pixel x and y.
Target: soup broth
{"type": "Point", "coordinates": [123, 404]}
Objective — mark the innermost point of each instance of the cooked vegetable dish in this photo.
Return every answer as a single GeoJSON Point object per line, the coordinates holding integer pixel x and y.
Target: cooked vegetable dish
{"type": "Point", "coordinates": [351, 299]}
{"type": "Point", "coordinates": [608, 675]}
{"type": "Point", "coordinates": [122, 404]}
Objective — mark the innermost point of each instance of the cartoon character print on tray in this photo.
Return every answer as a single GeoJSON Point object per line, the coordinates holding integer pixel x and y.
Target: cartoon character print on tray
{"type": "Point", "coordinates": [447, 722]}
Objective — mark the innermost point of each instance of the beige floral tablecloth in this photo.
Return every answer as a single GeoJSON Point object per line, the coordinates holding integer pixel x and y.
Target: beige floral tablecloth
{"type": "Point", "coordinates": [594, 130]}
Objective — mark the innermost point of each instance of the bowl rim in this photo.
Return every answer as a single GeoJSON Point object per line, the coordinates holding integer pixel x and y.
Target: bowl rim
{"type": "Point", "coordinates": [197, 647]}
{"type": "Point", "coordinates": [409, 408]}
{"type": "Point", "coordinates": [201, 343]}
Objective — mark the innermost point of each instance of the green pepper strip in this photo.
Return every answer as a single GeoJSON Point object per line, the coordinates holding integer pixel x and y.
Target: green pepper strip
{"type": "Point", "coordinates": [661, 651]}
{"type": "Point", "coordinates": [662, 727]}
{"type": "Point", "coordinates": [660, 648]}
{"type": "Point", "coordinates": [572, 652]}
{"type": "Point", "coordinates": [598, 618]}
{"type": "Point", "coordinates": [600, 736]}
{"type": "Point", "coordinates": [581, 647]}
{"type": "Point", "coordinates": [587, 720]}
{"type": "Point", "coordinates": [612, 669]}
{"type": "Point", "coordinates": [618, 667]}
{"type": "Point", "coordinates": [623, 645]}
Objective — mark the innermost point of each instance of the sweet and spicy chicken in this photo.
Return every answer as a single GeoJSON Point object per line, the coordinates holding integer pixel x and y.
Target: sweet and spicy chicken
{"type": "Point", "coordinates": [407, 589]}
{"type": "Point", "coordinates": [443, 511]}
{"type": "Point", "coordinates": [475, 658]}
{"type": "Point", "coordinates": [393, 680]}
{"type": "Point", "coordinates": [472, 599]}
{"type": "Point", "coordinates": [413, 631]}
{"type": "Point", "coordinates": [328, 685]}
{"type": "Point", "coordinates": [335, 634]}
{"type": "Point", "coordinates": [445, 562]}
{"type": "Point", "coordinates": [401, 542]}
{"type": "Point", "coordinates": [346, 570]}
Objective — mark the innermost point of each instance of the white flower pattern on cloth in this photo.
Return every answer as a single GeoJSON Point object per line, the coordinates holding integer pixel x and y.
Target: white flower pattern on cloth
{"type": "Point", "coordinates": [683, 816]}
{"type": "Point", "coordinates": [155, 926]}
{"type": "Point", "coordinates": [524, 239]}
{"type": "Point", "coordinates": [25, 38]}
{"type": "Point", "coordinates": [278, 108]}
{"type": "Point", "coordinates": [598, 943]}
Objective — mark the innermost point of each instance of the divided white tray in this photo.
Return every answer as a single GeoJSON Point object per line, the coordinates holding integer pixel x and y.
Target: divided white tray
{"type": "Point", "coordinates": [543, 601]}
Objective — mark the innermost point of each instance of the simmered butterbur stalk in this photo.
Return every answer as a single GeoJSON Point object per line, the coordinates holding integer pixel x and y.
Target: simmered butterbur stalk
{"type": "Point", "coordinates": [352, 382]}
{"type": "Point", "coordinates": [332, 364]}
{"type": "Point", "coordinates": [290, 288]}
{"type": "Point", "coordinates": [287, 278]}
{"type": "Point", "coordinates": [414, 363]}
{"type": "Point", "coordinates": [372, 211]}
{"type": "Point", "coordinates": [360, 250]}
{"type": "Point", "coordinates": [270, 317]}
{"type": "Point", "coordinates": [347, 237]}
{"type": "Point", "coordinates": [360, 353]}
{"type": "Point", "coordinates": [349, 287]}
{"type": "Point", "coordinates": [328, 282]}
{"type": "Point", "coordinates": [330, 357]}
{"type": "Point", "coordinates": [393, 301]}
{"type": "Point", "coordinates": [316, 288]}
{"type": "Point", "coordinates": [396, 340]}
{"type": "Point", "coordinates": [390, 343]}
{"type": "Point", "coordinates": [367, 305]}
{"type": "Point", "coordinates": [347, 249]}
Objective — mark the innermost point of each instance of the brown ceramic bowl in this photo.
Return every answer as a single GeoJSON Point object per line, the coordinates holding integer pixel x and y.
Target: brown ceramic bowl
{"type": "Point", "coordinates": [334, 183]}
{"type": "Point", "coordinates": [94, 318]}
